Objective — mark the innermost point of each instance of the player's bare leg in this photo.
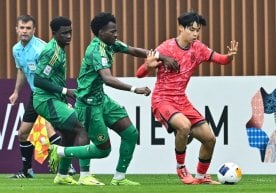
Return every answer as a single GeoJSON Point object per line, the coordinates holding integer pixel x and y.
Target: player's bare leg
{"type": "Point", "coordinates": [205, 135]}
{"type": "Point", "coordinates": [182, 126]}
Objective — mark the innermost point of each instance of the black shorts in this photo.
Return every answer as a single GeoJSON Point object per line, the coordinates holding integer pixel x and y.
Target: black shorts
{"type": "Point", "coordinates": [30, 114]}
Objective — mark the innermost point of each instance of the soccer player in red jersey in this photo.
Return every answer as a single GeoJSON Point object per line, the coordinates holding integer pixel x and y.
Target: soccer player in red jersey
{"type": "Point", "coordinates": [171, 105]}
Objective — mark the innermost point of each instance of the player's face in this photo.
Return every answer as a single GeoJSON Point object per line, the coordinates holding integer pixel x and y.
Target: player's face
{"type": "Point", "coordinates": [108, 34]}
{"type": "Point", "coordinates": [191, 33]}
{"type": "Point", "coordinates": [25, 31]}
{"type": "Point", "coordinates": [63, 35]}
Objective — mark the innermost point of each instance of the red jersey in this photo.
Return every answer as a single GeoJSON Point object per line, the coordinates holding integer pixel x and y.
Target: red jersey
{"type": "Point", "coordinates": [171, 86]}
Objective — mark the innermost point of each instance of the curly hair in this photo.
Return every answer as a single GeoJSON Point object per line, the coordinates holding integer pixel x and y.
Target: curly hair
{"type": "Point", "coordinates": [57, 22]}
{"type": "Point", "coordinates": [101, 20]}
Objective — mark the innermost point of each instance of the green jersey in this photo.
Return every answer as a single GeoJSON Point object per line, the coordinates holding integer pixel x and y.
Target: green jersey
{"type": "Point", "coordinates": [51, 65]}
{"type": "Point", "coordinates": [98, 55]}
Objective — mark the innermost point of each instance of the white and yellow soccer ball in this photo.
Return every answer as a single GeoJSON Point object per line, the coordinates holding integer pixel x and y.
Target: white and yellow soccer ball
{"type": "Point", "coordinates": [229, 173]}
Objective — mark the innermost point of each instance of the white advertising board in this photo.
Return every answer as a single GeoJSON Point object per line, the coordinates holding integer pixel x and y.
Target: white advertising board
{"type": "Point", "coordinates": [228, 102]}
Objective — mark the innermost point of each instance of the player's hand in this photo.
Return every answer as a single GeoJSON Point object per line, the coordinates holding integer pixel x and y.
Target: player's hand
{"type": "Point", "coordinates": [170, 64]}
{"type": "Point", "coordinates": [71, 93]}
{"type": "Point", "coordinates": [13, 98]}
{"type": "Point", "coordinates": [143, 90]}
{"type": "Point", "coordinates": [151, 60]}
{"type": "Point", "coordinates": [233, 48]}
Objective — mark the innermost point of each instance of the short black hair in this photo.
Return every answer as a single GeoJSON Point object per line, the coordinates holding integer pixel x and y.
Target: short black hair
{"type": "Point", "coordinates": [26, 18]}
{"type": "Point", "coordinates": [59, 21]}
{"type": "Point", "coordinates": [100, 21]}
{"type": "Point", "coordinates": [187, 19]}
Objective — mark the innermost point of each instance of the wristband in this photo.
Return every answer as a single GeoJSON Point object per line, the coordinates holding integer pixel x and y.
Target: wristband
{"type": "Point", "coordinates": [157, 54]}
{"type": "Point", "coordinates": [64, 91]}
{"type": "Point", "coordinates": [132, 89]}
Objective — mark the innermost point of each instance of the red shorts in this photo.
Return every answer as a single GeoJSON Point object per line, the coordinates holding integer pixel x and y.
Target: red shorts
{"type": "Point", "coordinates": [165, 110]}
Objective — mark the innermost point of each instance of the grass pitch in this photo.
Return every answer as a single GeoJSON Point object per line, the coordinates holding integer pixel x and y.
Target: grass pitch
{"type": "Point", "coordinates": [43, 183]}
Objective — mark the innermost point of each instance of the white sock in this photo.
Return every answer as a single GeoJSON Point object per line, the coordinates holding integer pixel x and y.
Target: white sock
{"type": "Point", "coordinates": [84, 174]}
{"type": "Point", "coordinates": [60, 151]}
{"type": "Point", "coordinates": [199, 176]}
{"type": "Point", "coordinates": [119, 176]}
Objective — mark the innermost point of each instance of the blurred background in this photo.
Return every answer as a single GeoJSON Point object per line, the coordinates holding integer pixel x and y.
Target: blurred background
{"type": "Point", "coordinates": [146, 23]}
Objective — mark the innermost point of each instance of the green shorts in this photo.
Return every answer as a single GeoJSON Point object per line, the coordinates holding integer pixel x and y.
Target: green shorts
{"type": "Point", "coordinates": [58, 113]}
{"type": "Point", "coordinates": [97, 118]}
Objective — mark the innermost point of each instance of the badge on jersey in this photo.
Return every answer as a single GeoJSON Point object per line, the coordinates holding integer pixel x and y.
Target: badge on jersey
{"type": "Point", "coordinates": [32, 66]}
{"type": "Point", "coordinates": [101, 137]}
{"type": "Point", "coordinates": [47, 70]}
{"type": "Point", "coordinates": [104, 62]}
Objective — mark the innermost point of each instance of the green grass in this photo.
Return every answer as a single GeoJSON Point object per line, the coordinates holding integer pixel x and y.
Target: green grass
{"type": "Point", "coordinates": [43, 183]}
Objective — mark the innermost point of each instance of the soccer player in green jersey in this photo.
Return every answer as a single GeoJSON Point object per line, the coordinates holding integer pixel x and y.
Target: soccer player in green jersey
{"type": "Point", "coordinates": [26, 52]}
{"type": "Point", "coordinates": [96, 110]}
{"type": "Point", "coordinates": [50, 95]}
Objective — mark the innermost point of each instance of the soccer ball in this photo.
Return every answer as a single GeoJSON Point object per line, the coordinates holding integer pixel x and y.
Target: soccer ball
{"type": "Point", "coordinates": [229, 173]}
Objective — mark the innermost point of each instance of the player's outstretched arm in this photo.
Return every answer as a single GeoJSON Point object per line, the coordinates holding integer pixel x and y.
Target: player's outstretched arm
{"type": "Point", "coordinates": [232, 49]}
{"type": "Point", "coordinates": [150, 64]}
{"type": "Point", "coordinates": [116, 83]}
{"type": "Point", "coordinates": [169, 63]}
{"type": "Point", "coordinates": [226, 58]}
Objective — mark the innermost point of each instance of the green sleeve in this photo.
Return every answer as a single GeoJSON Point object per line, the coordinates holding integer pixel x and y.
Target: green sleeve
{"type": "Point", "coordinates": [47, 85]}
{"type": "Point", "coordinates": [120, 46]}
